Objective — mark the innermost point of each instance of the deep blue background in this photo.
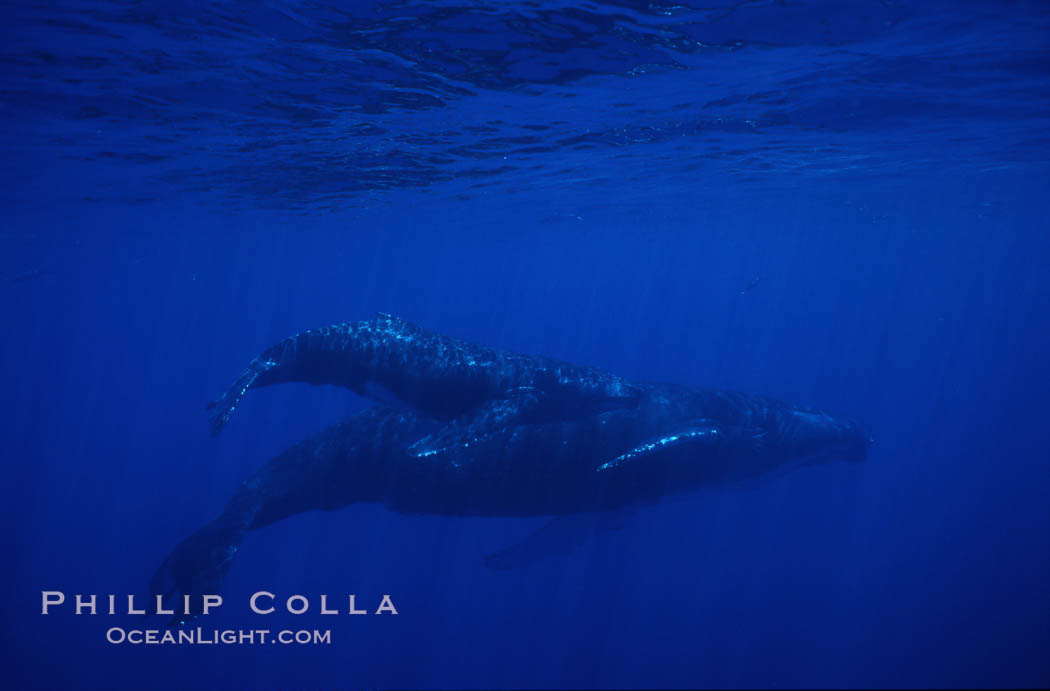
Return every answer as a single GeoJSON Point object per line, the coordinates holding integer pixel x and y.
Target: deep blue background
{"type": "Point", "coordinates": [185, 185]}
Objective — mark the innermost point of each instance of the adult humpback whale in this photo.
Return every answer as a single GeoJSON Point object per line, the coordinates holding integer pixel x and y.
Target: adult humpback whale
{"type": "Point", "coordinates": [521, 436]}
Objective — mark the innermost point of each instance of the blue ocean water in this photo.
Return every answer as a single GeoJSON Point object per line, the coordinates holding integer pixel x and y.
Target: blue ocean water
{"type": "Point", "coordinates": [842, 204]}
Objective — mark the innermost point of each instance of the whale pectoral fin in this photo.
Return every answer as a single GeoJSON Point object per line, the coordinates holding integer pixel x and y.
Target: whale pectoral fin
{"type": "Point", "coordinates": [558, 537]}
{"type": "Point", "coordinates": [481, 423]}
{"type": "Point", "coordinates": [700, 435]}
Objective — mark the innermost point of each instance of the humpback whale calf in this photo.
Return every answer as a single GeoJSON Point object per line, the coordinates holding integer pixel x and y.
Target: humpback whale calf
{"type": "Point", "coordinates": [518, 436]}
{"type": "Point", "coordinates": [390, 360]}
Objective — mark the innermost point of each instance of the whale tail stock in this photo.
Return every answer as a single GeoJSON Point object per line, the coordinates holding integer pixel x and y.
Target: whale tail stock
{"type": "Point", "coordinates": [344, 463]}
{"type": "Point", "coordinates": [327, 355]}
{"type": "Point", "coordinates": [317, 356]}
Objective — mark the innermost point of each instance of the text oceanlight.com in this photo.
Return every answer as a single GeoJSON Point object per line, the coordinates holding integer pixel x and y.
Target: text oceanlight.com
{"type": "Point", "coordinates": [200, 636]}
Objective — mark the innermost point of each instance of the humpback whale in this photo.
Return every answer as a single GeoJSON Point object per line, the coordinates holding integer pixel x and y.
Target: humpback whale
{"type": "Point", "coordinates": [519, 436]}
{"type": "Point", "coordinates": [388, 359]}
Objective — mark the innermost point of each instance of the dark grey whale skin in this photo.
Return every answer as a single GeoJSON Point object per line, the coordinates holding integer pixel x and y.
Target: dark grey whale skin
{"type": "Point", "coordinates": [672, 440]}
{"type": "Point", "coordinates": [435, 375]}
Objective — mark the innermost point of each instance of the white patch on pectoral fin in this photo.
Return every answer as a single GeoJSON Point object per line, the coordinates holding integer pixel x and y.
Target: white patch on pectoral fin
{"type": "Point", "coordinates": [702, 434]}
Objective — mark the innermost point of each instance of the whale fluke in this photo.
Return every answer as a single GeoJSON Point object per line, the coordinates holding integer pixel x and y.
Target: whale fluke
{"type": "Point", "coordinates": [220, 410]}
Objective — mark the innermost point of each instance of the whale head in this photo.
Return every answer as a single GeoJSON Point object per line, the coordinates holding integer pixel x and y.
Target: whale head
{"type": "Point", "coordinates": [816, 436]}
